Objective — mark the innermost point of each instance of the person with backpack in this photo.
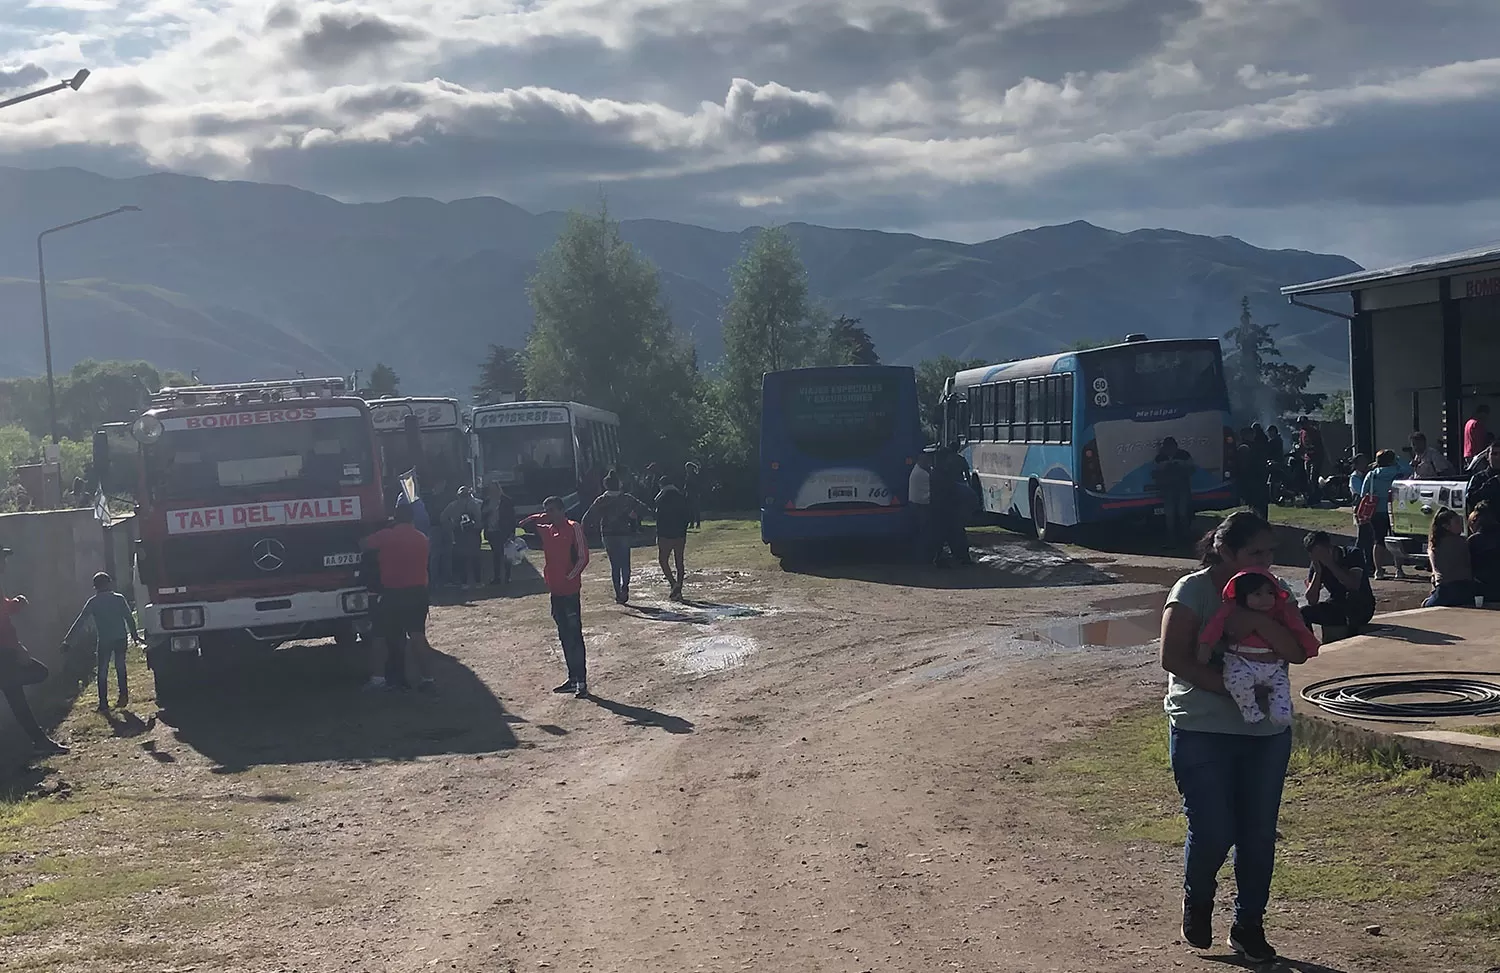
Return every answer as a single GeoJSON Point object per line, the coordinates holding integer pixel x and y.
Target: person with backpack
{"type": "Point", "coordinates": [565, 553]}
{"type": "Point", "coordinates": [616, 513]}
{"type": "Point", "coordinates": [463, 520]}
{"type": "Point", "coordinates": [114, 633]}
{"type": "Point", "coordinates": [673, 514]}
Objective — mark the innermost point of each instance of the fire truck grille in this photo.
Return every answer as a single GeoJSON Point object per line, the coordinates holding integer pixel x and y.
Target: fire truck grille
{"type": "Point", "coordinates": [261, 555]}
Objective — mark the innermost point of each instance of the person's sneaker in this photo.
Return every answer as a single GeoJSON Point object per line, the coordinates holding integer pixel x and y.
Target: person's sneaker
{"type": "Point", "coordinates": [49, 747]}
{"type": "Point", "coordinates": [566, 687]}
{"type": "Point", "coordinates": [376, 682]}
{"type": "Point", "coordinates": [1198, 925]}
{"type": "Point", "coordinates": [426, 685]}
{"type": "Point", "coordinates": [1250, 942]}
{"type": "Point", "coordinates": [123, 701]}
{"type": "Point", "coordinates": [103, 706]}
{"type": "Point", "coordinates": [581, 691]}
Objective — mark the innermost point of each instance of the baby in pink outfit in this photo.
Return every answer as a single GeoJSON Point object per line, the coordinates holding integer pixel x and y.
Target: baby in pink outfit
{"type": "Point", "coordinates": [1250, 664]}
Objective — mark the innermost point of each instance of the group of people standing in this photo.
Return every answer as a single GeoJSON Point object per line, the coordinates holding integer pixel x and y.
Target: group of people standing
{"type": "Point", "coordinates": [457, 534]}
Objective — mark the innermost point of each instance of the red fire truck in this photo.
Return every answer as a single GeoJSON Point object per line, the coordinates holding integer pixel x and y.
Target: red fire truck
{"type": "Point", "coordinates": [251, 504]}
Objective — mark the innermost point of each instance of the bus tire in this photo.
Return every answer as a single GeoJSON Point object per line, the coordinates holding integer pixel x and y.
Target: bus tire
{"type": "Point", "coordinates": [1041, 529]}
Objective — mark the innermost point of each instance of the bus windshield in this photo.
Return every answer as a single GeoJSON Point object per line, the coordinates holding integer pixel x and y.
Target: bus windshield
{"type": "Point", "coordinates": [443, 449]}
{"type": "Point", "coordinates": [532, 462]}
{"type": "Point", "coordinates": [834, 418]}
{"type": "Point", "coordinates": [1135, 377]}
{"type": "Point", "coordinates": [320, 456]}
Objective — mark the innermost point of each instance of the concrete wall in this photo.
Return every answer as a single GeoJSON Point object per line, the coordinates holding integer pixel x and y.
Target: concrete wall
{"type": "Point", "coordinates": [56, 554]}
{"type": "Point", "coordinates": [1408, 345]}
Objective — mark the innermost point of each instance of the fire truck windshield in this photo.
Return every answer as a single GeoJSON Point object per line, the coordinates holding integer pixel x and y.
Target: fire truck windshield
{"type": "Point", "coordinates": [321, 455]}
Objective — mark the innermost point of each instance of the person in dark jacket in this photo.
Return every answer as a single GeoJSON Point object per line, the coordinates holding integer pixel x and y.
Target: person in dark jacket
{"type": "Point", "coordinates": [616, 513]}
{"type": "Point", "coordinates": [672, 517]}
{"type": "Point", "coordinates": [19, 669]}
{"type": "Point", "coordinates": [499, 516]}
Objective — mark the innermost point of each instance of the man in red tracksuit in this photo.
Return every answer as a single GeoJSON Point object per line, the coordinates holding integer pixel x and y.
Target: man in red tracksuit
{"type": "Point", "coordinates": [565, 553]}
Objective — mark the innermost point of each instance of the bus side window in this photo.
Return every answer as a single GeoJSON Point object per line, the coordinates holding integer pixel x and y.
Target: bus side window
{"type": "Point", "coordinates": [1036, 410]}
{"type": "Point", "coordinates": [974, 413]}
{"type": "Point", "coordinates": [991, 406]}
{"type": "Point", "coordinates": [1018, 422]}
{"type": "Point", "coordinates": [1067, 408]}
{"type": "Point", "coordinates": [1002, 412]}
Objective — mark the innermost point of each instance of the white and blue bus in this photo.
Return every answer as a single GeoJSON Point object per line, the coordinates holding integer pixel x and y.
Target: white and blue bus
{"type": "Point", "coordinates": [1070, 439]}
{"type": "Point", "coordinates": [837, 446]}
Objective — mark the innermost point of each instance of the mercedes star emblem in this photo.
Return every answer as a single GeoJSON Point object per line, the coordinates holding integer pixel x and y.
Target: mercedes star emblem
{"type": "Point", "coordinates": [269, 554]}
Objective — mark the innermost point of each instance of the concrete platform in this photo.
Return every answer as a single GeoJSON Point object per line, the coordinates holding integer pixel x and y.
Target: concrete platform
{"type": "Point", "coordinates": [1463, 640]}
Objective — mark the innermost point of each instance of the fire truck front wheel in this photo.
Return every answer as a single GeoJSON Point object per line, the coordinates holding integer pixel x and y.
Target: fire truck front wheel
{"type": "Point", "coordinates": [174, 674]}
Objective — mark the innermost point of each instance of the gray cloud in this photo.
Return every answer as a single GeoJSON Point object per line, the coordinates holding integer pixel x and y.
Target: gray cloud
{"type": "Point", "coordinates": [774, 113]}
{"type": "Point", "coordinates": [21, 77]}
{"type": "Point", "coordinates": [337, 37]}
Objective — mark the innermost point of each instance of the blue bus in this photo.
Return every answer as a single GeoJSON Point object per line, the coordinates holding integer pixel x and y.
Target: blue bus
{"type": "Point", "coordinates": [837, 447]}
{"type": "Point", "coordinates": [1070, 439]}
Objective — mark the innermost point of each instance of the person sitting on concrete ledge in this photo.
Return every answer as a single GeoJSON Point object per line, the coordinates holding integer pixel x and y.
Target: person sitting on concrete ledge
{"type": "Point", "coordinates": [1342, 573]}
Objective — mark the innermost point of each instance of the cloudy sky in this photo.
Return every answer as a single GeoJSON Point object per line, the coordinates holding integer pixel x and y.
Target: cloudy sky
{"type": "Point", "coordinates": [1366, 127]}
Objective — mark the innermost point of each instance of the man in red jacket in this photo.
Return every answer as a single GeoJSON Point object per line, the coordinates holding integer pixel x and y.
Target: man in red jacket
{"type": "Point", "coordinates": [565, 553]}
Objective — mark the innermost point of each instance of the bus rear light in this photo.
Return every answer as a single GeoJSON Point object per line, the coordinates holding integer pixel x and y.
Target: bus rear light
{"type": "Point", "coordinates": [184, 643]}
{"type": "Point", "coordinates": [770, 502]}
{"type": "Point", "coordinates": [179, 618]}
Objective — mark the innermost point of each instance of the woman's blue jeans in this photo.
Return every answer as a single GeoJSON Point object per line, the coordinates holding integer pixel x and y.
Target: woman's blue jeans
{"type": "Point", "coordinates": [1231, 793]}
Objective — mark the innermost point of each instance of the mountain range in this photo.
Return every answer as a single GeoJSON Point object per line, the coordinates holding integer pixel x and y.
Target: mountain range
{"type": "Point", "coordinates": [241, 280]}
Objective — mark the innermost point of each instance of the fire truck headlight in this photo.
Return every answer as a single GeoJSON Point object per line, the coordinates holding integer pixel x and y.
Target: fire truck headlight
{"type": "Point", "coordinates": [147, 429]}
{"type": "Point", "coordinates": [356, 602]}
{"type": "Point", "coordinates": [179, 618]}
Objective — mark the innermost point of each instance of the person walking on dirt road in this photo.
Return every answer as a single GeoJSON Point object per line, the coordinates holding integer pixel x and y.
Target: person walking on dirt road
{"type": "Point", "coordinates": [1230, 773]}
{"type": "Point", "coordinates": [565, 553]}
{"type": "Point", "coordinates": [673, 514]}
{"type": "Point", "coordinates": [616, 512]}
{"type": "Point", "coordinates": [114, 633]}
{"type": "Point", "coordinates": [19, 669]}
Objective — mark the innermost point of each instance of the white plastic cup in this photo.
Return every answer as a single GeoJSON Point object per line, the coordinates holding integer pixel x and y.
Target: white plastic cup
{"type": "Point", "coordinates": [1479, 601]}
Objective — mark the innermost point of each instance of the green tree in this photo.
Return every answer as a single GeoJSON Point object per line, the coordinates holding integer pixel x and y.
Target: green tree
{"type": "Point", "coordinates": [850, 344]}
{"type": "Point", "coordinates": [1260, 382]}
{"type": "Point", "coordinates": [501, 374]}
{"type": "Point", "coordinates": [769, 325]}
{"type": "Point", "coordinates": [602, 335]}
{"type": "Point", "coordinates": [383, 381]}
{"type": "Point", "coordinates": [1335, 406]}
{"type": "Point", "coordinates": [931, 374]}
{"type": "Point", "coordinates": [88, 395]}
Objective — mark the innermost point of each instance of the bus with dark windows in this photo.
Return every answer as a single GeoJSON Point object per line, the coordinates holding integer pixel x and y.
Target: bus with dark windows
{"type": "Point", "coordinates": [1071, 439]}
{"type": "Point", "coordinates": [251, 503]}
{"type": "Point", "coordinates": [837, 445]}
{"type": "Point", "coordinates": [537, 450]}
{"type": "Point", "coordinates": [438, 448]}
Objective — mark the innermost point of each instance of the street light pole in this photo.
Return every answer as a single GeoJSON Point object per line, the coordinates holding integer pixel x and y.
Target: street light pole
{"type": "Point", "coordinates": [41, 279]}
{"type": "Point", "coordinates": [75, 82]}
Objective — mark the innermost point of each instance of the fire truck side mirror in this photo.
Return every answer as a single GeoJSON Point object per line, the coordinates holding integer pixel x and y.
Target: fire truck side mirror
{"type": "Point", "coordinates": [101, 458]}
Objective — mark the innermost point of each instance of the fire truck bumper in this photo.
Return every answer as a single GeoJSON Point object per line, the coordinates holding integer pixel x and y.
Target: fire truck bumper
{"type": "Point", "coordinates": [186, 626]}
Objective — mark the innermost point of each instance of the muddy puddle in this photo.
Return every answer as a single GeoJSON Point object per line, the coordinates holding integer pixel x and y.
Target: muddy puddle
{"type": "Point", "coordinates": [694, 612]}
{"type": "Point", "coordinates": [708, 654]}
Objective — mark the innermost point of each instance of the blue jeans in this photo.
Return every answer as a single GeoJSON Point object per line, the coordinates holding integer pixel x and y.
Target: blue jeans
{"type": "Point", "coordinates": [1231, 793]}
{"type": "Point", "coordinates": [617, 546]}
{"type": "Point", "coordinates": [112, 649]}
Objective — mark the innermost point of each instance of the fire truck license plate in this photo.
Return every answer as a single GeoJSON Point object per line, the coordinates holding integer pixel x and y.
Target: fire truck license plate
{"type": "Point", "coordinates": [339, 560]}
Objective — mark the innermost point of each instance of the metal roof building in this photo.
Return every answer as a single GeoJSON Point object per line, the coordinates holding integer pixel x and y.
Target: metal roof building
{"type": "Point", "coordinates": [1424, 345]}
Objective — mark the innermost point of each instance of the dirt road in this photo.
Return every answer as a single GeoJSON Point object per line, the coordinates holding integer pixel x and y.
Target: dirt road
{"type": "Point", "coordinates": [804, 772]}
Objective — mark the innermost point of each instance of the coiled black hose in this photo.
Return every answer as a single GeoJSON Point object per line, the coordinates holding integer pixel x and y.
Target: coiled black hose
{"type": "Point", "coordinates": [1360, 697]}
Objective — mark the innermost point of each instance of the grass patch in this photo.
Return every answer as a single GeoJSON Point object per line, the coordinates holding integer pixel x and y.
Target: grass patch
{"type": "Point", "coordinates": [1356, 830]}
{"type": "Point", "coordinates": [730, 541]}
{"type": "Point", "coordinates": [1482, 729]}
{"type": "Point", "coordinates": [1304, 518]}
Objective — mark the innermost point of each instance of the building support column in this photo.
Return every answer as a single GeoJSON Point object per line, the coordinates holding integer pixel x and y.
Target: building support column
{"type": "Point", "coordinates": [1453, 366]}
{"type": "Point", "coordinates": [1362, 379]}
